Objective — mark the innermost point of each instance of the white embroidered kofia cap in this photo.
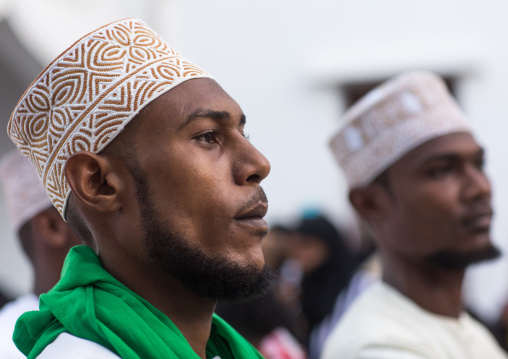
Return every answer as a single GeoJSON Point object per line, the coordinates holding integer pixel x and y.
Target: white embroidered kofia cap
{"type": "Point", "coordinates": [89, 93]}
{"type": "Point", "coordinates": [23, 192]}
{"type": "Point", "coordinates": [391, 120]}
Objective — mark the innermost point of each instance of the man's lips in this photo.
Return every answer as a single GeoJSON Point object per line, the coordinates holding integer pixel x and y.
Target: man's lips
{"type": "Point", "coordinates": [258, 211]}
{"type": "Point", "coordinates": [253, 218]}
{"type": "Point", "coordinates": [253, 211]}
{"type": "Point", "coordinates": [478, 222]}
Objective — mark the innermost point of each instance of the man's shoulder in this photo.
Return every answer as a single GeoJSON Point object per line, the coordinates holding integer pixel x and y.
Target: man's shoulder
{"type": "Point", "coordinates": [379, 304]}
{"type": "Point", "coordinates": [379, 320]}
{"type": "Point", "coordinates": [383, 323]}
{"type": "Point", "coordinates": [68, 346]}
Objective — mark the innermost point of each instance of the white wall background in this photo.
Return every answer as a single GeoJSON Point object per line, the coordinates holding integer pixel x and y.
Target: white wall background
{"type": "Point", "coordinates": [282, 61]}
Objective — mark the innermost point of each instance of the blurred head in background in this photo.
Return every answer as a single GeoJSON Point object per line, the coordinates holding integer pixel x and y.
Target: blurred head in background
{"type": "Point", "coordinates": [44, 236]}
{"type": "Point", "coordinates": [416, 176]}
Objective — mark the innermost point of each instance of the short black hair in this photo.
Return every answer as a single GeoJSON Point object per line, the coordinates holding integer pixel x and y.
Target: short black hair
{"type": "Point", "coordinates": [75, 220]}
{"type": "Point", "coordinates": [25, 234]}
{"type": "Point", "coordinates": [383, 179]}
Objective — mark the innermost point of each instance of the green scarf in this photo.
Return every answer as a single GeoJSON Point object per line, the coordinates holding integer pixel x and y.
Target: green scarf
{"type": "Point", "coordinates": [91, 304]}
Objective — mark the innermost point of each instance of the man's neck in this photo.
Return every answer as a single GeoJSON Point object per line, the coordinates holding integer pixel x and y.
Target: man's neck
{"type": "Point", "coordinates": [434, 289]}
{"type": "Point", "coordinates": [190, 313]}
{"type": "Point", "coordinates": [46, 269]}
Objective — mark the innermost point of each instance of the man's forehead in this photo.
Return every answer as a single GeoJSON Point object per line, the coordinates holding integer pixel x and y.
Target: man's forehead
{"type": "Point", "coordinates": [193, 95]}
{"type": "Point", "coordinates": [195, 100]}
{"type": "Point", "coordinates": [457, 145]}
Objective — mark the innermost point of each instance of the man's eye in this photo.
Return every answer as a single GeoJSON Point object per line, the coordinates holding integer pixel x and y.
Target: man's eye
{"type": "Point", "coordinates": [208, 137]}
{"type": "Point", "coordinates": [440, 171]}
{"type": "Point", "coordinates": [480, 164]}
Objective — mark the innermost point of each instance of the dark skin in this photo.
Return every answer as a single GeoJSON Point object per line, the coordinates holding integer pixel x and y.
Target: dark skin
{"type": "Point", "coordinates": [437, 199]}
{"type": "Point", "coordinates": [47, 239]}
{"type": "Point", "coordinates": [190, 143]}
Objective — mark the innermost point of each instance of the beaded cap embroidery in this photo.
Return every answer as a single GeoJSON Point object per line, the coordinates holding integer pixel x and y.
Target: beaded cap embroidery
{"type": "Point", "coordinates": [89, 93]}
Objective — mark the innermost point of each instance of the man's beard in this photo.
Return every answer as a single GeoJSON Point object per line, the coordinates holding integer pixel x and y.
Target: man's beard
{"type": "Point", "coordinates": [213, 277]}
{"type": "Point", "coordinates": [457, 260]}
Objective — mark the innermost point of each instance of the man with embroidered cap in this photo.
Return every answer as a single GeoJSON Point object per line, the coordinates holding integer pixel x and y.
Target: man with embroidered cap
{"type": "Point", "coordinates": [145, 156]}
{"type": "Point", "coordinates": [415, 173]}
{"type": "Point", "coordinates": [43, 234]}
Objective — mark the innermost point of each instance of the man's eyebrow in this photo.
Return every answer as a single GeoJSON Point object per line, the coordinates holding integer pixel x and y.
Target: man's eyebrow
{"type": "Point", "coordinates": [451, 156]}
{"type": "Point", "coordinates": [211, 114]}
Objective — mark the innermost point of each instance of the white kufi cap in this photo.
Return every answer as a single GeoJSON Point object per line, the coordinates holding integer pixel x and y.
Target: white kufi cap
{"type": "Point", "coordinates": [390, 121]}
{"type": "Point", "coordinates": [24, 194]}
{"type": "Point", "coordinates": [89, 93]}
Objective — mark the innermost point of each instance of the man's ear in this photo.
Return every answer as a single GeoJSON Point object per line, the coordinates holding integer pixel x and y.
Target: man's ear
{"type": "Point", "coordinates": [50, 227]}
{"type": "Point", "coordinates": [370, 202]}
{"type": "Point", "coordinates": [93, 181]}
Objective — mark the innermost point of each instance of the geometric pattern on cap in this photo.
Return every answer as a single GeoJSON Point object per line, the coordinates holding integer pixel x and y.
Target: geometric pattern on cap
{"type": "Point", "coordinates": [87, 95]}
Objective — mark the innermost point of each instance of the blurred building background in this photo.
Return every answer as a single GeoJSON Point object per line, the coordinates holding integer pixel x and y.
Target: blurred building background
{"type": "Point", "coordinates": [294, 66]}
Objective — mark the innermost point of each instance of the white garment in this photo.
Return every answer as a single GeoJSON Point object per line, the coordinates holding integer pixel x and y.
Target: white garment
{"type": "Point", "coordinates": [8, 317]}
{"type": "Point", "coordinates": [362, 280]}
{"type": "Point", "coordinates": [384, 324]}
{"type": "Point", "coordinates": [64, 347]}
{"type": "Point", "coordinates": [68, 346]}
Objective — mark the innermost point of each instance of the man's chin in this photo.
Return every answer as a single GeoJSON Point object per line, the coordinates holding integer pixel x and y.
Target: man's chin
{"type": "Point", "coordinates": [229, 282]}
{"type": "Point", "coordinates": [459, 260]}
{"type": "Point", "coordinates": [216, 277]}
